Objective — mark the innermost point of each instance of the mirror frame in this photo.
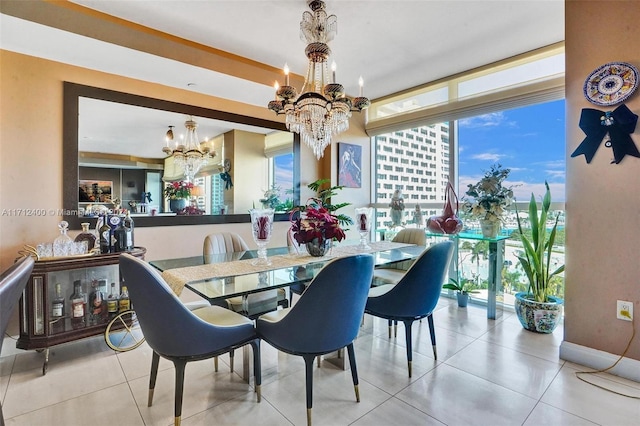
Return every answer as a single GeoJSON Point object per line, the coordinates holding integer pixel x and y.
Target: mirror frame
{"type": "Point", "coordinates": [70, 171]}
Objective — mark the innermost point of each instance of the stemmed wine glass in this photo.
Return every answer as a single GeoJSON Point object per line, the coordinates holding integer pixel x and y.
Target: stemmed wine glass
{"type": "Point", "coordinates": [363, 222]}
{"type": "Point", "coordinates": [262, 226]}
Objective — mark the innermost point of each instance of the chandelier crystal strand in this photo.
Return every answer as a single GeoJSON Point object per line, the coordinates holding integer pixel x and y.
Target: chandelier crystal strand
{"type": "Point", "coordinates": [322, 110]}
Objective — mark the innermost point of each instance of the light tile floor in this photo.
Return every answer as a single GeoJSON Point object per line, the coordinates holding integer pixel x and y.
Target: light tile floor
{"type": "Point", "coordinates": [487, 373]}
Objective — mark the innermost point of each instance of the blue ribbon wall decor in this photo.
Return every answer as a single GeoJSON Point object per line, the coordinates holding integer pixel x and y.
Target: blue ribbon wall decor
{"type": "Point", "coordinates": [226, 177]}
{"type": "Point", "coordinates": [619, 123]}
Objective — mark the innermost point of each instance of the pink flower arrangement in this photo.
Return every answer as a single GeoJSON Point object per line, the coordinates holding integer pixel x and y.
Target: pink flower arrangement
{"type": "Point", "coordinates": [178, 190]}
{"type": "Point", "coordinates": [317, 223]}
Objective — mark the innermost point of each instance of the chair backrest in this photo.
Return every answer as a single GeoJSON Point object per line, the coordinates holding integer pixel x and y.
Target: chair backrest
{"type": "Point", "coordinates": [417, 293]}
{"type": "Point", "coordinates": [411, 236]}
{"type": "Point", "coordinates": [327, 316]}
{"type": "Point", "coordinates": [223, 242]}
{"type": "Point", "coordinates": [167, 325]}
{"type": "Point", "coordinates": [12, 283]}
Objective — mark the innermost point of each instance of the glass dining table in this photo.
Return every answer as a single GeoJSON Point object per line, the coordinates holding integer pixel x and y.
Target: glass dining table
{"type": "Point", "coordinates": [222, 276]}
{"type": "Point", "coordinates": [233, 274]}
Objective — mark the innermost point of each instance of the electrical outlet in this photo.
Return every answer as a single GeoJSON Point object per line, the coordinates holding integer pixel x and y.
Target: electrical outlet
{"type": "Point", "coordinates": [624, 310]}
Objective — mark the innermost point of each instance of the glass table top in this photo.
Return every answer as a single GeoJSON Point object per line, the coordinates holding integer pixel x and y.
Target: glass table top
{"type": "Point", "coordinates": [220, 288]}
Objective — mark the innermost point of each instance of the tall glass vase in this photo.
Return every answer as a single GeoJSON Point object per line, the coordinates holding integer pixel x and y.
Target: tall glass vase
{"type": "Point", "coordinates": [262, 226]}
{"type": "Point", "coordinates": [364, 216]}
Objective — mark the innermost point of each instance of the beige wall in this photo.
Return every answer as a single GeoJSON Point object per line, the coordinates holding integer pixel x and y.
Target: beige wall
{"type": "Point", "coordinates": [603, 208]}
{"type": "Point", "coordinates": [31, 117]}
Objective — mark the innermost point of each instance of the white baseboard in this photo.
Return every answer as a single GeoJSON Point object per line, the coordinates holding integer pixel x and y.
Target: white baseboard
{"type": "Point", "coordinates": [597, 359]}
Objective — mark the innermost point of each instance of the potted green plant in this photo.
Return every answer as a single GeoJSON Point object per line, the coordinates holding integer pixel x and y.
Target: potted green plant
{"type": "Point", "coordinates": [462, 290]}
{"type": "Point", "coordinates": [316, 223]}
{"type": "Point", "coordinates": [178, 194]}
{"type": "Point", "coordinates": [537, 309]}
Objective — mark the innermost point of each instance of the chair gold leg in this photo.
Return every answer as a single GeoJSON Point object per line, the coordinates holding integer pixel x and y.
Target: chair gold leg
{"type": "Point", "coordinates": [259, 392]}
{"type": "Point", "coordinates": [389, 331]}
{"type": "Point", "coordinates": [150, 398]}
{"type": "Point", "coordinates": [409, 368]}
{"type": "Point", "coordinates": [435, 352]}
{"type": "Point", "coordinates": [215, 364]}
{"type": "Point", "coordinates": [395, 329]}
{"type": "Point", "coordinates": [308, 416]}
{"type": "Point", "coordinates": [231, 361]}
{"type": "Point", "coordinates": [355, 387]}
{"type": "Point", "coordinates": [176, 421]}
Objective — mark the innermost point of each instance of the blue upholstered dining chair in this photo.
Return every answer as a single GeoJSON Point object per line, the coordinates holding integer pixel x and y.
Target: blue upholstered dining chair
{"type": "Point", "coordinates": [178, 334]}
{"type": "Point", "coordinates": [415, 295]}
{"type": "Point", "coordinates": [325, 319]}
{"type": "Point", "coordinates": [12, 283]}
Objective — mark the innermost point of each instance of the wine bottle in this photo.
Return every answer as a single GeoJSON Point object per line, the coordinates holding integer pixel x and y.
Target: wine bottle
{"type": "Point", "coordinates": [112, 301]}
{"type": "Point", "coordinates": [78, 306]}
{"type": "Point", "coordinates": [120, 237]}
{"type": "Point", "coordinates": [57, 306]}
{"type": "Point", "coordinates": [128, 226]}
{"type": "Point", "coordinates": [87, 236]}
{"type": "Point", "coordinates": [124, 304]}
{"type": "Point", "coordinates": [105, 236]}
{"type": "Point", "coordinates": [96, 300]}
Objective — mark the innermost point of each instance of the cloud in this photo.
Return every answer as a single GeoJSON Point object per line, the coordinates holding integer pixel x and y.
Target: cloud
{"type": "Point", "coordinates": [521, 190]}
{"type": "Point", "coordinates": [488, 156]}
{"type": "Point", "coordinates": [493, 119]}
{"type": "Point", "coordinates": [555, 174]}
{"type": "Point", "coordinates": [555, 164]}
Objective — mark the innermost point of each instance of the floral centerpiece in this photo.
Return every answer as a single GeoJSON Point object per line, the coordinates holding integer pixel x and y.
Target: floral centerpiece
{"type": "Point", "coordinates": [178, 190]}
{"type": "Point", "coordinates": [488, 199]}
{"type": "Point", "coordinates": [316, 224]}
{"type": "Point", "coordinates": [178, 194]}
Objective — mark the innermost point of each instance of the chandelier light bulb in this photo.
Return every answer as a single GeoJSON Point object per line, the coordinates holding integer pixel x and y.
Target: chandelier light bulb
{"type": "Point", "coordinates": [286, 75]}
{"type": "Point", "coordinates": [333, 70]}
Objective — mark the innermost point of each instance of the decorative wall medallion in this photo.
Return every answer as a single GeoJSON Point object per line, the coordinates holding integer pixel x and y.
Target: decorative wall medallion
{"type": "Point", "coordinates": [611, 83]}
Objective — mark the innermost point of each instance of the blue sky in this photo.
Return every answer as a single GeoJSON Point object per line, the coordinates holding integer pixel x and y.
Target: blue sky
{"type": "Point", "coordinates": [529, 140]}
{"type": "Point", "coordinates": [284, 174]}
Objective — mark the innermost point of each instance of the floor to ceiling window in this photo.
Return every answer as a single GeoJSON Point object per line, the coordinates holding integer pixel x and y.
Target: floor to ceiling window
{"type": "Point", "coordinates": [511, 114]}
{"type": "Point", "coordinates": [529, 141]}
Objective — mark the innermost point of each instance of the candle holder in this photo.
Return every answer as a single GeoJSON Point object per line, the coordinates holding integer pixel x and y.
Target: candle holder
{"type": "Point", "coordinates": [262, 225]}
{"type": "Point", "coordinates": [363, 222]}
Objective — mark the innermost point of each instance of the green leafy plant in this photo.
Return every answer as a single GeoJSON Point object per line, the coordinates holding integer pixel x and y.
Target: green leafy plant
{"type": "Point", "coordinates": [536, 259]}
{"type": "Point", "coordinates": [319, 219]}
{"type": "Point", "coordinates": [461, 287]}
{"type": "Point", "coordinates": [323, 200]}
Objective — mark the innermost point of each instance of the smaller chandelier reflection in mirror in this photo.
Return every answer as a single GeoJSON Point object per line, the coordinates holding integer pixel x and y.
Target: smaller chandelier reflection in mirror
{"type": "Point", "coordinates": [188, 154]}
{"type": "Point", "coordinates": [321, 110]}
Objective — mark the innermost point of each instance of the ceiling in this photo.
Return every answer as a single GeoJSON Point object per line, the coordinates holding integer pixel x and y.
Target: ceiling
{"type": "Point", "coordinates": [393, 45]}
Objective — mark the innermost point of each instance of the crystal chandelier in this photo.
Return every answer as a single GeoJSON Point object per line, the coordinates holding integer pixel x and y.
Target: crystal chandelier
{"type": "Point", "coordinates": [322, 110]}
{"type": "Point", "coordinates": [188, 155]}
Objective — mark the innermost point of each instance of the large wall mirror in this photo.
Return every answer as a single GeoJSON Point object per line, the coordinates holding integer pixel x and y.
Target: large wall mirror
{"type": "Point", "coordinates": [113, 155]}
